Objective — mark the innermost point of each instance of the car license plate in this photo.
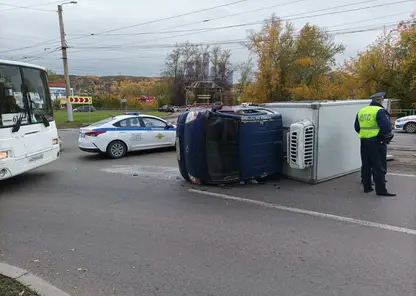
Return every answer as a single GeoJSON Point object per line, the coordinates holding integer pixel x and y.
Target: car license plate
{"type": "Point", "coordinates": [82, 135]}
{"type": "Point", "coordinates": [178, 148]}
{"type": "Point", "coordinates": [36, 158]}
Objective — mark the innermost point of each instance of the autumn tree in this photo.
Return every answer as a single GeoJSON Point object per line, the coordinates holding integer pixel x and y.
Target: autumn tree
{"type": "Point", "coordinates": [405, 49]}
{"type": "Point", "coordinates": [188, 63]}
{"type": "Point", "coordinates": [53, 77]}
{"type": "Point", "coordinates": [246, 70]}
{"type": "Point", "coordinates": [374, 68]}
{"type": "Point", "coordinates": [389, 64]}
{"type": "Point", "coordinates": [292, 65]}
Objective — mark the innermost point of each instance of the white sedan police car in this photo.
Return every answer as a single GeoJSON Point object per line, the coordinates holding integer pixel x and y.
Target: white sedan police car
{"type": "Point", "coordinates": [407, 124]}
{"type": "Point", "coordinates": [118, 135]}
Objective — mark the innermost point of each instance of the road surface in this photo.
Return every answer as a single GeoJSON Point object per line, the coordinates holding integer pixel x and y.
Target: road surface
{"type": "Point", "coordinates": [94, 227]}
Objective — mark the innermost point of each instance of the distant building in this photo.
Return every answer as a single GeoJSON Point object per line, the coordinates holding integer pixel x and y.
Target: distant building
{"type": "Point", "coordinates": [58, 91]}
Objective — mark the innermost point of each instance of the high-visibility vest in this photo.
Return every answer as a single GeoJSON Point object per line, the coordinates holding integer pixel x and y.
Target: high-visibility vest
{"type": "Point", "coordinates": [368, 122]}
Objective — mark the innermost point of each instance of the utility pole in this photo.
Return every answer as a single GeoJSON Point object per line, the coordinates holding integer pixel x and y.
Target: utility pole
{"type": "Point", "coordinates": [65, 61]}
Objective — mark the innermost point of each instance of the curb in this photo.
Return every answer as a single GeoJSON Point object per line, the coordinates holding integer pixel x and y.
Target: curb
{"type": "Point", "coordinates": [30, 280]}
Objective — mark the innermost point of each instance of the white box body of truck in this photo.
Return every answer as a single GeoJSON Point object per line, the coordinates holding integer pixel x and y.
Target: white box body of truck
{"type": "Point", "coordinates": [320, 140]}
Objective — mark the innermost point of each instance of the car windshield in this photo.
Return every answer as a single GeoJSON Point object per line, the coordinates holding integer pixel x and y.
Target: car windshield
{"type": "Point", "coordinates": [101, 122]}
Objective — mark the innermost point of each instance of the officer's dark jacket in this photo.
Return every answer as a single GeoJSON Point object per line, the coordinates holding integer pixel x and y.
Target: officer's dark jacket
{"type": "Point", "coordinates": [383, 120]}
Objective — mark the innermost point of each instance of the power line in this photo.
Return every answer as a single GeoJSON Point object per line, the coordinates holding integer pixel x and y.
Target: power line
{"type": "Point", "coordinates": [47, 53]}
{"type": "Point", "coordinates": [30, 46]}
{"type": "Point", "coordinates": [31, 7]}
{"type": "Point", "coordinates": [242, 41]}
{"type": "Point", "coordinates": [245, 41]}
{"type": "Point", "coordinates": [338, 32]}
{"type": "Point", "coordinates": [253, 23]}
{"type": "Point", "coordinates": [211, 19]}
{"type": "Point", "coordinates": [214, 19]}
{"type": "Point", "coordinates": [253, 10]}
{"type": "Point", "coordinates": [285, 18]}
{"type": "Point", "coordinates": [372, 19]}
{"type": "Point", "coordinates": [204, 29]}
{"type": "Point", "coordinates": [162, 19]}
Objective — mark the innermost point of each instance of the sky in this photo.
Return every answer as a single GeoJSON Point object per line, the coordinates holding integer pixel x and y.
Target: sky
{"type": "Point", "coordinates": [133, 37]}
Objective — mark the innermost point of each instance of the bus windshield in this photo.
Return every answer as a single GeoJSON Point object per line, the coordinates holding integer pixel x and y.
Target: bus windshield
{"type": "Point", "coordinates": [23, 93]}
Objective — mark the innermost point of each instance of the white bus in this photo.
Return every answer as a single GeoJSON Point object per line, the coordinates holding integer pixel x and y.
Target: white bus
{"type": "Point", "coordinates": [28, 135]}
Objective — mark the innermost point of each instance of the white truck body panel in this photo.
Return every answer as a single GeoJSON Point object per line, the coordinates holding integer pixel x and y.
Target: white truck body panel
{"type": "Point", "coordinates": [336, 144]}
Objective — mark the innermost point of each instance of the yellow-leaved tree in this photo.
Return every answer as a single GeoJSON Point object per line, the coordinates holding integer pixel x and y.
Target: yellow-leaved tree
{"type": "Point", "coordinates": [293, 65]}
{"type": "Point", "coordinates": [389, 64]}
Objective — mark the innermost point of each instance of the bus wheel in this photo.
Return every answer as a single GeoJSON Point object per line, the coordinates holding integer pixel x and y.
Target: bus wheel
{"type": "Point", "coordinates": [116, 149]}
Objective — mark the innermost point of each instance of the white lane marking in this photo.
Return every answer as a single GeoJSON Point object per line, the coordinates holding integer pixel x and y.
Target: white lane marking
{"type": "Point", "coordinates": [310, 213]}
{"type": "Point", "coordinates": [152, 172]}
{"type": "Point", "coordinates": [402, 175]}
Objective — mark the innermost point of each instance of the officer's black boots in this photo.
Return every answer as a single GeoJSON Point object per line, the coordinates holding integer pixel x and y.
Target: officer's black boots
{"type": "Point", "coordinates": [386, 194]}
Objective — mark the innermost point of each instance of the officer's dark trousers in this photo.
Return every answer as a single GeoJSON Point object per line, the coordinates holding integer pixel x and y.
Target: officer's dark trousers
{"type": "Point", "coordinates": [373, 160]}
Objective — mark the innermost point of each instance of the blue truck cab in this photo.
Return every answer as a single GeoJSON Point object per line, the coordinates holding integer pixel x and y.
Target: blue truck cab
{"type": "Point", "coordinates": [231, 144]}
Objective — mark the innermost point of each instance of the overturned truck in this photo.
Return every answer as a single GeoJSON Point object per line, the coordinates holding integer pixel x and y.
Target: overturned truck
{"type": "Point", "coordinates": [307, 141]}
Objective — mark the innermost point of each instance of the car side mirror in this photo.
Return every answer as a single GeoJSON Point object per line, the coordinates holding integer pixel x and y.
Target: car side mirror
{"type": "Point", "coordinates": [169, 125]}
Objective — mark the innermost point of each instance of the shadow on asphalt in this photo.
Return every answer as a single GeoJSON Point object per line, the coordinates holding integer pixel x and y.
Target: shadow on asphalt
{"type": "Point", "coordinates": [92, 157]}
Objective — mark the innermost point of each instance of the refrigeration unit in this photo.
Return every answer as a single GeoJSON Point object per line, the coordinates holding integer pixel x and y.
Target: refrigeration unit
{"type": "Point", "coordinates": [319, 139]}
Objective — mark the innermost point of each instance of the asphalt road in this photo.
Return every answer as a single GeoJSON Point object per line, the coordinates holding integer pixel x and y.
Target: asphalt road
{"type": "Point", "coordinates": [403, 141]}
{"type": "Point", "coordinates": [93, 226]}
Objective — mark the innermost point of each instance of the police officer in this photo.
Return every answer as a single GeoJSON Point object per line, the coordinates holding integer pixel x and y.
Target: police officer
{"type": "Point", "coordinates": [374, 128]}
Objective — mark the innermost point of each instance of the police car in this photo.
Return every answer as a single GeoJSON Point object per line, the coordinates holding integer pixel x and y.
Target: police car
{"type": "Point", "coordinates": [115, 136]}
{"type": "Point", "coordinates": [407, 123]}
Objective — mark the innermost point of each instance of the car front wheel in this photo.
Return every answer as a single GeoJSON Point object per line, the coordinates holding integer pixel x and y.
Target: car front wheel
{"type": "Point", "coordinates": [116, 149]}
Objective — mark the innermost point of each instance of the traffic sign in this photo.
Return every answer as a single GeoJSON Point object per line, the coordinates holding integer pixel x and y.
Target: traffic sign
{"type": "Point", "coordinates": [80, 100]}
{"type": "Point", "coordinates": [123, 100]}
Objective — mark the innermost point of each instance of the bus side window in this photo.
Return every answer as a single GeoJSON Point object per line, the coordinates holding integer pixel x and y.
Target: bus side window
{"type": "Point", "coordinates": [11, 98]}
{"type": "Point", "coordinates": [35, 82]}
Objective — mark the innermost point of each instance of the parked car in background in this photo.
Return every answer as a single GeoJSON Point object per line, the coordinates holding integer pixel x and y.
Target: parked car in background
{"type": "Point", "coordinates": [88, 108]}
{"type": "Point", "coordinates": [166, 108]}
{"type": "Point", "coordinates": [407, 124]}
{"type": "Point", "coordinates": [175, 109]}
{"type": "Point", "coordinates": [115, 136]}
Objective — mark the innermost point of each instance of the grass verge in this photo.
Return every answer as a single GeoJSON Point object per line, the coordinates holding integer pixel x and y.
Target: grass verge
{"type": "Point", "coordinates": [11, 287]}
{"type": "Point", "coordinates": [85, 118]}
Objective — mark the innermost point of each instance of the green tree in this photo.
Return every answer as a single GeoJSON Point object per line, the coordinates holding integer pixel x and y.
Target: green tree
{"type": "Point", "coordinates": [53, 77]}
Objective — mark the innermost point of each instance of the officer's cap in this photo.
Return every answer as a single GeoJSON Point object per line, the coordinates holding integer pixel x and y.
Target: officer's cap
{"type": "Point", "coordinates": [378, 95]}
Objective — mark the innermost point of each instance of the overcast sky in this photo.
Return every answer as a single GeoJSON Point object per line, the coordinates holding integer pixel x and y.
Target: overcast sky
{"type": "Point", "coordinates": [32, 33]}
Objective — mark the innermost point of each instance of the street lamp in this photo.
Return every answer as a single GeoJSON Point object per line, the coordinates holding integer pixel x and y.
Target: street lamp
{"type": "Point", "coordinates": [65, 59]}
